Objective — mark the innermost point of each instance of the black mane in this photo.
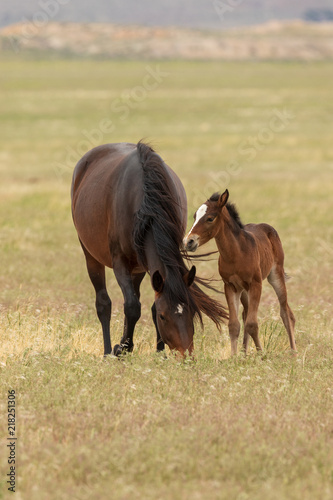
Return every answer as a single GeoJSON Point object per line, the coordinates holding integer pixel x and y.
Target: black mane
{"type": "Point", "coordinates": [159, 212]}
{"type": "Point", "coordinates": [231, 209]}
{"type": "Point", "coordinates": [234, 214]}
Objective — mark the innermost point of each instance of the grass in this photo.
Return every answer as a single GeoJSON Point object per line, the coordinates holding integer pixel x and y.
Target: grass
{"type": "Point", "coordinates": [146, 426]}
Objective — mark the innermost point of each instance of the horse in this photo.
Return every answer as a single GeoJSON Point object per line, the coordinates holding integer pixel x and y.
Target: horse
{"type": "Point", "coordinates": [248, 254]}
{"type": "Point", "coordinates": [130, 212]}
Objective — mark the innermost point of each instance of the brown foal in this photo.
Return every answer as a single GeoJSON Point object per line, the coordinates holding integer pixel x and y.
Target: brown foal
{"type": "Point", "coordinates": [248, 255]}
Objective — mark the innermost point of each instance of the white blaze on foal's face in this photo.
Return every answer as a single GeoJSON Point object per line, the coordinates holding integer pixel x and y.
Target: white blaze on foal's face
{"type": "Point", "coordinates": [200, 213]}
{"type": "Point", "coordinates": [198, 216]}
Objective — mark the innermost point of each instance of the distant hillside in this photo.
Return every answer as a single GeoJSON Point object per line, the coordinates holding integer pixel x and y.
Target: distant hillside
{"type": "Point", "coordinates": [274, 40]}
{"type": "Point", "coordinates": [216, 14]}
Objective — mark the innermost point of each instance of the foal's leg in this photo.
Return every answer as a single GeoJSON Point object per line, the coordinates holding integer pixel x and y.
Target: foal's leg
{"type": "Point", "coordinates": [96, 273]}
{"type": "Point", "coordinates": [232, 298]}
{"type": "Point", "coordinates": [277, 280]}
{"type": "Point", "coordinates": [245, 303]}
{"type": "Point", "coordinates": [130, 286]}
{"type": "Point", "coordinates": [251, 323]}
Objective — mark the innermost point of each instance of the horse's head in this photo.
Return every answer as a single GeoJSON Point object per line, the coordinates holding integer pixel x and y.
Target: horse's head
{"type": "Point", "coordinates": [206, 222]}
{"type": "Point", "coordinates": [174, 319]}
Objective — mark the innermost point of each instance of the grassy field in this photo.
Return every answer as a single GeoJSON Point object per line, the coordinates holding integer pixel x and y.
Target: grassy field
{"type": "Point", "coordinates": [145, 427]}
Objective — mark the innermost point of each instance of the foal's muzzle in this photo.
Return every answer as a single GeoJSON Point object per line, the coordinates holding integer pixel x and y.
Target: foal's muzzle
{"type": "Point", "coordinates": [191, 243]}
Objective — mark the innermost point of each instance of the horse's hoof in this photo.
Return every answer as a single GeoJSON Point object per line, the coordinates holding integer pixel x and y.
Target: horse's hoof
{"type": "Point", "coordinates": [117, 350]}
{"type": "Point", "coordinates": [109, 356]}
{"type": "Point", "coordinates": [162, 354]}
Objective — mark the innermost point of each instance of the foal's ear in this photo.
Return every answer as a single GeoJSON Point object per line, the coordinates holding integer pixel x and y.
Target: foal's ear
{"type": "Point", "coordinates": [157, 282]}
{"type": "Point", "coordinates": [189, 276]}
{"type": "Point", "coordinates": [223, 198]}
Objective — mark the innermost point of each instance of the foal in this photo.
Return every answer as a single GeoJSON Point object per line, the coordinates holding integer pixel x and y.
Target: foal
{"type": "Point", "coordinates": [248, 255]}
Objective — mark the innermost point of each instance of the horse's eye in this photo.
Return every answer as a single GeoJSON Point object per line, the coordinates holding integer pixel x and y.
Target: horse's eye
{"type": "Point", "coordinates": [162, 317]}
{"type": "Point", "coordinates": [210, 219]}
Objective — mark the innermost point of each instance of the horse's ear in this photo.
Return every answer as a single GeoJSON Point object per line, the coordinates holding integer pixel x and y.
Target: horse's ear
{"type": "Point", "coordinates": [189, 276]}
{"type": "Point", "coordinates": [157, 282]}
{"type": "Point", "coordinates": [223, 198]}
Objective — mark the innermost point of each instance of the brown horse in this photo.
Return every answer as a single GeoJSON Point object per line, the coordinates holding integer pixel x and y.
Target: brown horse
{"type": "Point", "coordinates": [130, 212]}
{"type": "Point", "coordinates": [248, 255]}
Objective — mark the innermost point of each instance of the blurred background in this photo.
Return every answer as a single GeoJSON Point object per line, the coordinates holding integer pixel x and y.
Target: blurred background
{"type": "Point", "coordinates": [188, 13]}
{"type": "Point", "coordinates": [192, 29]}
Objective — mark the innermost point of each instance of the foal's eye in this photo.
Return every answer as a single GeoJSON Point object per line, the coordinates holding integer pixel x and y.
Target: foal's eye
{"type": "Point", "coordinates": [210, 219]}
{"type": "Point", "coordinates": [162, 317]}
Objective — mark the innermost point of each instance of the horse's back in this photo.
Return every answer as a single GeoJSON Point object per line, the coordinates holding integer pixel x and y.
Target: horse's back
{"type": "Point", "coordinates": [103, 197]}
{"type": "Point", "coordinates": [269, 245]}
{"type": "Point", "coordinates": [264, 233]}
{"type": "Point", "coordinates": [107, 190]}
{"type": "Point", "coordinates": [102, 158]}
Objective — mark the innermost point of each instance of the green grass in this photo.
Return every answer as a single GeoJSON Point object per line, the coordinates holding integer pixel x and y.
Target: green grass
{"type": "Point", "coordinates": [145, 426]}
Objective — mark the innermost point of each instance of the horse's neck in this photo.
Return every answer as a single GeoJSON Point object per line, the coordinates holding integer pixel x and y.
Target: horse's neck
{"type": "Point", "coordinates": [228, 242]}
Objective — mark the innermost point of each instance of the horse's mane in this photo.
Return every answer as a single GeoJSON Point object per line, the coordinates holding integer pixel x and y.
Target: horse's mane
{"type": "Point", "coordinates": [159, 212]}
{"type": "Point", "coordinates": [232, 209]}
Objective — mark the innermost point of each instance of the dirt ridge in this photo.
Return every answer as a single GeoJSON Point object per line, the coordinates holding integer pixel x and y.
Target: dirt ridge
{"type": "Point", "coordinates": [294, 40]}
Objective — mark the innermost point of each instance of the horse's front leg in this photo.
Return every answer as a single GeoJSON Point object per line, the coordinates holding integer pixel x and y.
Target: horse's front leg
{"type": "Point", "coordinates": [232, 297]}
{"type": "Point", "coordinates": [130, 287]}
{"type": "Point", "coordinates": [251, 323]}
{"type": "Point", "coordinates": [160, 346]}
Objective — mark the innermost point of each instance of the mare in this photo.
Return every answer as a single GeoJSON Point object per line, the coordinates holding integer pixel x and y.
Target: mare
{"type": "Point", "coordinates": [248, 255]}
{"type": "Point", "coordinates": [130, 212]}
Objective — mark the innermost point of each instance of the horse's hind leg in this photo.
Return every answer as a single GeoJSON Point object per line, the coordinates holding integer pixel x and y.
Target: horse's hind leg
{"type": "Point", "coordinates": [251, 323]}
{"type": "Point", "coordinates": [276, 278]}
{"type": "Point", "coordinates": [96, 273]}
{"type": "Point", "coordinates": [130, 287]}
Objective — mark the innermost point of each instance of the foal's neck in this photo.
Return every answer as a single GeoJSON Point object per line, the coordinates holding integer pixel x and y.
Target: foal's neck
{"type": "Point", "coordinates": [228, 238]}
